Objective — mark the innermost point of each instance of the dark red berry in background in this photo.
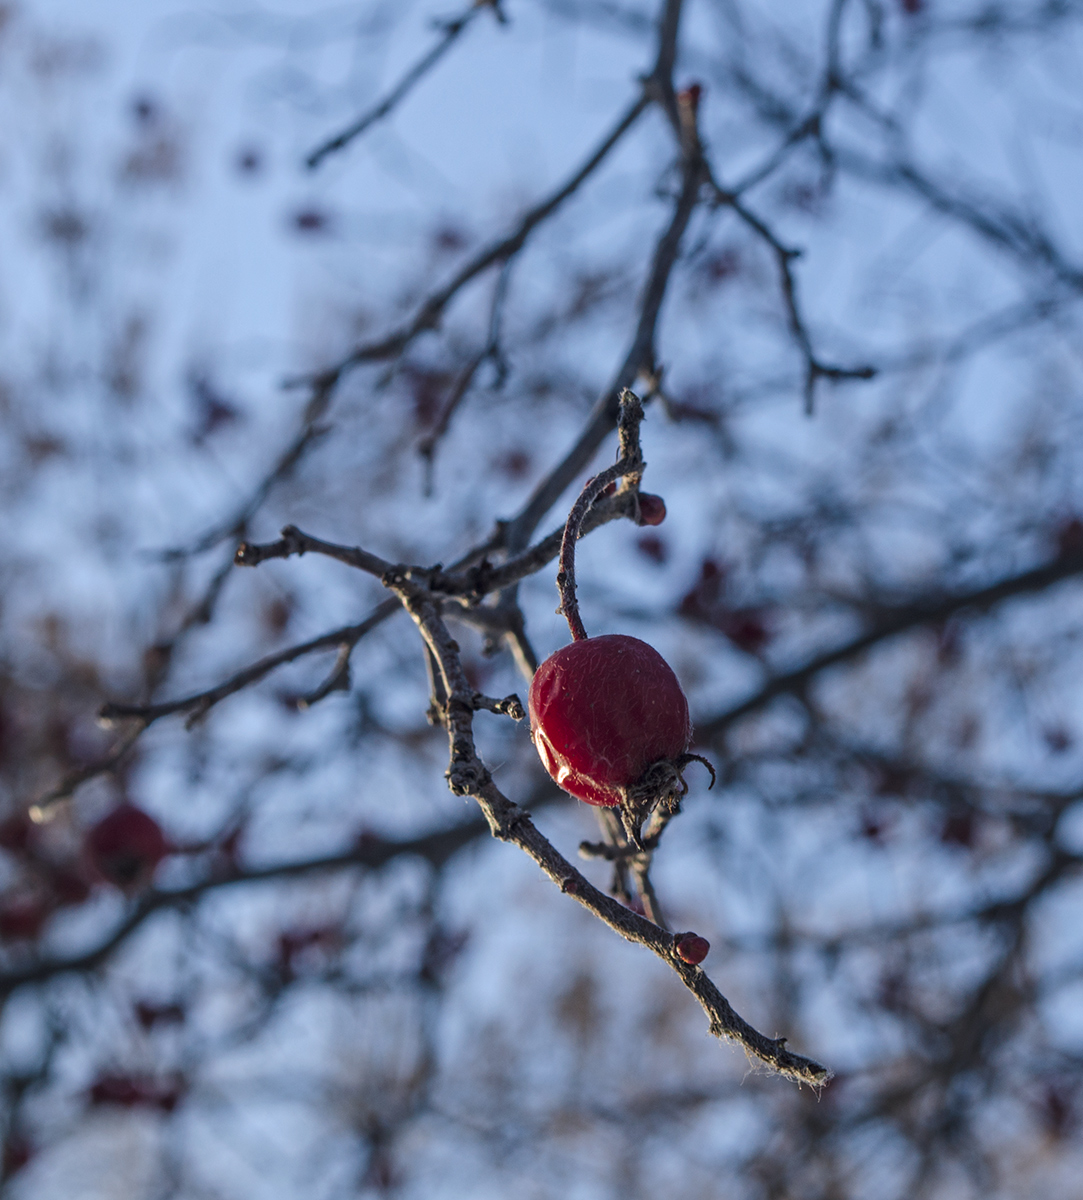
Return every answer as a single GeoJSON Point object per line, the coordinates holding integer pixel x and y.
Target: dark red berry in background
{"type": "Point", "coordinates": [602, 710]}
{"type": "Point", "coordinates": [16, 832]}
{"type": "Point", "coordinates": [652, 509]}
{"type": "Point", "coordinates": [692, 949]}
{"type": "Point", "coordinates": [22, 918]}
{"type": "Point", "coordinates": [134, 1091]}
{"type": "Point", "coordinates": [126, 846]}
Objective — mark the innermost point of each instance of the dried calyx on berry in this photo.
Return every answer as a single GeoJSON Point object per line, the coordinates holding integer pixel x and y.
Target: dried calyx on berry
{"type": "Point", "coordinates": [607, 714]}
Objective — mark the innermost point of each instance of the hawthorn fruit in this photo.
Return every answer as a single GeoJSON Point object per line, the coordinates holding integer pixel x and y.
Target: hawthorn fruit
{"type": "Point", "coordinates": [692, 949]}
{"type": "Point", "coordinates": [652, 509]}
{"type": "Point", "coordinates": [125, 847]}
{"type": "Point", "coordinates": [603, 710]}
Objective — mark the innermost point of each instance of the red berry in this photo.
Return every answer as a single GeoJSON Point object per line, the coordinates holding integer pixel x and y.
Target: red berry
{"type": "Point", "coordinates": [134, 1091]}
{"type": "Point", "coordinates": [692, 949]}
{"type": "Point", "coordinates": [602, 710]}
{"type": "Point", "coordinates": [22, 918]}
{"type": "Point", "coordinates": [16, 832]}
{"type": "Point", "coordinates": [652, 509]}
{"type": "Point", "coordinates": [126, 846]}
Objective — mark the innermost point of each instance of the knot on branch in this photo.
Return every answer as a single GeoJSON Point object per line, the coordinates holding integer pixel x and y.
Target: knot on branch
{"type": "Point", "coordinates": [251, 554]}
{"type": "Point", "coordinates": [467, 778]}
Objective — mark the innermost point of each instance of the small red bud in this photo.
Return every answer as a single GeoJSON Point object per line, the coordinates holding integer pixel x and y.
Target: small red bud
{"type": "Point", "coordinates": [692, 949]}
{"type": "Point", "coordinates": [570, 885]}
{"type": "Point", "coordinates": [652, 509]}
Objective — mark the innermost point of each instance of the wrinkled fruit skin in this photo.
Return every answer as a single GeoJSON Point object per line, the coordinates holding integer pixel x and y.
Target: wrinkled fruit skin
{"type": "Point", "coordinates": [692, 949]}
{"type": "Point", "coordinates": [601, 711]}
{"type": "Point", "coordinates": [126, 846]}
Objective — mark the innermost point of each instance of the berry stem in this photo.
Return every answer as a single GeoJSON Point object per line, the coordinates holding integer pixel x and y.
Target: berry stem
{"type": "Point", "coordinates": [628, 466]}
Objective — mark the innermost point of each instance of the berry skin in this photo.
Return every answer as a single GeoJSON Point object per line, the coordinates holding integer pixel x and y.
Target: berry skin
{"type": "Point", "coordinates": [603, 709]}
{"type": "Point", "coordinates": [692, 949]}
{"type": "Point", "coordinates": [125, 847]}
{"type": "Point", "coordinates": [652, 509]}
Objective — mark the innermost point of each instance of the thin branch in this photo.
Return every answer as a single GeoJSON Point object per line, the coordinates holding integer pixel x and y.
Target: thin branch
{"type": "Point", "coordinates": [373, 852]}
{"type": "Point", "coordinates": [630, 464]}
{"type": "Point", "coordinates": [310, 432]}
{"type": "Point", "coordinates": [201, 702]}
{"type": "Point", "coordinates": [926, 611]}
{"type": "Point", "coordinates": [491, 350]}
{"type": "Point", "coordinates": [43, 808]}
{"type": "Point", "coordinates": [429, 314]}
{"type": "Point", "coordinates": [640, 359]}
{"type": "Point", "coordinates": [451, 31]}
{"type": "Point", "coordinates": [468, 776]}
{"type": "Point", "coordinates": [815, 368]}
{"type": "Point", "coordinates": [293, 541]}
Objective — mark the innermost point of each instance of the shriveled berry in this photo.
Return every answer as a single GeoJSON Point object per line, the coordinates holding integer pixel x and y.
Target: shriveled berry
{"type": "Point", "coordinates": [652, 509]}
{"type": "Point", "coordinates": [692, 949]}
{"type": "Point", "coordinates": [126, 846]}
{"type": "Point", "coordinates": [602, 710]}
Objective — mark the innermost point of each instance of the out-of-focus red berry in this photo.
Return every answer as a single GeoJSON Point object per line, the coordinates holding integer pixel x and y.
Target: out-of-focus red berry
{"type": "Point", "coordinates": [22, 918]}
{"type": "Point", "coordinates": [652, 509]}
{"type": "Point", "coordinates": [126, 847]}
{"type": "Point", "coordinates": [148, 1015]}
{"type": "Point", "coordinates": [17, 1153]}
{"type": "Point", "coordinates": [692, 949]}
{"type": "Point", "coordinates": [959, 829]}
{"type": "Point", "coordinates": [15, 832]}
{"type": "Point", "coordinates": [651, 546]}
{"type": "Point", "coordinates": [68, 885]}
{"type": "Point", "coordinates": [602, 710]}
{"type": "Point", "coordinates": [135, 1091]}
{"type": "Point", "coordinates": [1069, 538]}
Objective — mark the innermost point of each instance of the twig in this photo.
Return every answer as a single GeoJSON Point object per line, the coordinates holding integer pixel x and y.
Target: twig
{"type": "Point", "coordinates": [630, 464]}
{"type": "Point", "coordinates": [815, 368]}
{"type": "Point", "coordinates": [640, 359]}
{"type": "Point", "coordinates": [468, 775]}
{"type": "Point", "coordinates": [452, 30]}
{"type": "Point", "coordinates": [370, 851]}
{"type": "Point", "coordinates": [310, 432]}
{"type": "Point", "coordinates": [491, 350]}
{"type": "Point", "coordinates": [201, 702]}
{"type": "Point", "coordinates": [923, 611]}
{"type": "Point", "coordinates": [44, 807]}
{"type": "Point", "coordinates": [293, 541]}
{"type": "Point", "coordinates": [429, 314]}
